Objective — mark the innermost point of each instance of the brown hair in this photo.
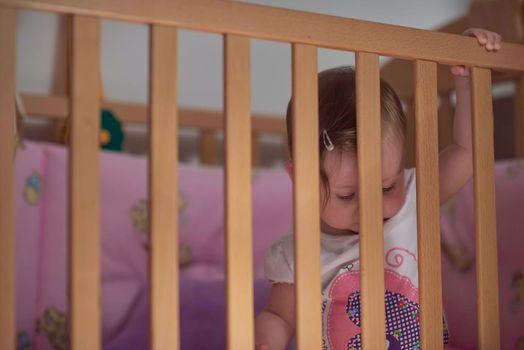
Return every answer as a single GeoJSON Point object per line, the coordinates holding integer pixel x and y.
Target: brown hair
{"type": "Point", "coordinates": [338, 116]}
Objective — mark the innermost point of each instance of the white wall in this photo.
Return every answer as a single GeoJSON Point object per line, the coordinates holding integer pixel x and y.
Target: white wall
{"type": "Point", "coordinates": [125, 46]}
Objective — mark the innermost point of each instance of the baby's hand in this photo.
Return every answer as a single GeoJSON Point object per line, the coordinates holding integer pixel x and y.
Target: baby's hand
{"type": "Point", "coordinates": [261, 347]}
{"type": "Point", "coordinates": [490, 40]}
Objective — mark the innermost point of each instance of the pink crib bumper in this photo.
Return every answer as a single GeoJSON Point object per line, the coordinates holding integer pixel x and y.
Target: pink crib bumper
{"type": "Point", "coordinates": [41, 250]}
{"type": "Point", "coordinates": [459, 286]}
{"type": "Point", "coordinates": [41, 236]}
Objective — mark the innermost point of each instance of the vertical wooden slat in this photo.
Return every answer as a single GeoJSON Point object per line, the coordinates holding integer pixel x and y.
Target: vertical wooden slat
{"type": "Point", "coordinates": [485, 220]}
{"type": "Point", "coordinates": [306, 197]}
{"type": "Point", "coordinates": [428, 205]}
{"type": "Point", "coordinates": [7, 149]}
{"type": "Point", "coordinates": [369, 145]}
{"type": "Point", "coordinates": [445, 121]}
{"type": "Point", "coordinates": [84, 240]}
{"type": "Point", "coordinates": [518, 117]}
{"type": "Point", "coordinates": [63, 71]}
{"type": "Point", "coordinates": [239, 261]}
{"type": "Point", "coordinates": [163, 189]}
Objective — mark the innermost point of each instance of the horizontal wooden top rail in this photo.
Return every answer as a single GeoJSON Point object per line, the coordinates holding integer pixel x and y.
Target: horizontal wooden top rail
{"type": "Point", "coordinates": [56, 107]}
{"type": "Point", "coordinates": [400, 76]}
{"type": "Point", "coordinates": [277, 24]}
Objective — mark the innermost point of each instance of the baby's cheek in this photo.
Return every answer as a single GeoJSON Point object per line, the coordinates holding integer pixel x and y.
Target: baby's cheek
{"type": "Point", "coordinates": [329, 216]}
{"type": "Point", "coordinates": [393, 205]}
{"type": "Point", "coordinates": [338, 216]}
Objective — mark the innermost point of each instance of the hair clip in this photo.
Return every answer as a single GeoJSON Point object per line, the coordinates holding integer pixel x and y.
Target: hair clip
{"type": "Point", "coordinates": [327, 141]}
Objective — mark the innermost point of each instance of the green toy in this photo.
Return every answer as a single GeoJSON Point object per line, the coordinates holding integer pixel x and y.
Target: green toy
{"type": "Point", "coordinates": [111, 132]}
{"type": "Point", "coordinates": [111, 135]}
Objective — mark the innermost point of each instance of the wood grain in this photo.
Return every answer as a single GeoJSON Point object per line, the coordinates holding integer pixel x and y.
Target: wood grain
{"type": "Point", "coordinates": [428, 205]}
{"type": "Point", "coordinates": [306, 197]}
{"type": "Point", "coordinates": [239, 246]}
{"type": "Point", "coordinates": [84, 187]}
{"type": "Point", "coordinates": [163, 189]}
{"type": "Point", "coordinates": [333, 32]}
{"type": "Point", "coordinates": [369, 150]}
{"type": "Point", "coordinates": [7, 196]}
{"type": "Point", "coordinates": [485, 219]}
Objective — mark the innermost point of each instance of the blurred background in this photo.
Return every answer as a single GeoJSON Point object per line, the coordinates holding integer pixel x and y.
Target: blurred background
{"type": "Point", "coordinates": [43, 60]}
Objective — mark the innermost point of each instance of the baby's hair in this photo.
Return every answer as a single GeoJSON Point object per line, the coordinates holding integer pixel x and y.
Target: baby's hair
{"type": "Point", "coordinates": [338, 116]}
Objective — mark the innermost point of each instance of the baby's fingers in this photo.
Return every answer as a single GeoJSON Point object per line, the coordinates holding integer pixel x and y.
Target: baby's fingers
{"type": "Point", "coordinates": [459, 71]}
{"type": "Point", "coordinates": [497, 41]}
{"type": "Point", "coordinates": [490, 40]}
{"type": "Point", "coordinates": [494, 40]}
{"type": "Point", "coordinates": [478, 33]}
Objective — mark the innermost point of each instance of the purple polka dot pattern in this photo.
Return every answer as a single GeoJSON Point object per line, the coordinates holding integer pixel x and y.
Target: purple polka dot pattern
{"type": "Point", "coordinates": [402, 322]}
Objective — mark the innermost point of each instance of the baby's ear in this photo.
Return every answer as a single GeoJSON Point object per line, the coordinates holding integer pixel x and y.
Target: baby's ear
{"type": "Point", "coordinates": [288, 165]}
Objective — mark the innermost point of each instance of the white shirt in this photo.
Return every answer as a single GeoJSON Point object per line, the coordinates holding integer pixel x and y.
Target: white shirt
{"type": "Point", "coordinates": [340, 279]}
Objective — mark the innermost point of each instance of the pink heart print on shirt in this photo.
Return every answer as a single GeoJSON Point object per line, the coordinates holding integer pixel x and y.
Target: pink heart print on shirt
{"type": "Point", "coordinates": [402, 312]}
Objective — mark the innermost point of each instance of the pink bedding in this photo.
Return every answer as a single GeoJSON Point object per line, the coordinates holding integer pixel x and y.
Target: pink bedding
{"type": "Point", "coordinates": [41, 207]}
{"type": "Point", "coordinates": [41, 250]}
{"type": "Point", "coordinates": [457, 220]}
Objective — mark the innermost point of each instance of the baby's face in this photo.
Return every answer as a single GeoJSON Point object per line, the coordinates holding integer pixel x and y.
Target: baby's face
{"type": "Point", "coordinates": [340, 215]}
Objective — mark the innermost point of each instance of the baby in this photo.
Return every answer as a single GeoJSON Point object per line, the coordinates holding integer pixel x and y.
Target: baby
{"type": "Point", "coordinates": [340, 278]}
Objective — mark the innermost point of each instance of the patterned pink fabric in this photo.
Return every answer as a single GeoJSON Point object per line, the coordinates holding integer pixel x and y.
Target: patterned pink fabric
{"type": "Point", "coordinates": [41, 238]}
{"type": "Point", "coordinates": [402, 312]}
{"type": "Point", "coordinates": [458, 264]}
{"type": "Point", "coordinates": [28, 216]}
{"type": "Point", "coordinates": [41, 265]}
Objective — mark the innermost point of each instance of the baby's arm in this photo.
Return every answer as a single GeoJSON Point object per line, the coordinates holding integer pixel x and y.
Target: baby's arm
{"type": "Point", "coordinates": [455, 161]}
{"type": "Point", "coordinates": [275, 325]}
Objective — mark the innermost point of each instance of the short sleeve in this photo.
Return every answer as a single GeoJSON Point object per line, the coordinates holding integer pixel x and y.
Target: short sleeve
{"type": "Point", "coordinates": [278, 266]}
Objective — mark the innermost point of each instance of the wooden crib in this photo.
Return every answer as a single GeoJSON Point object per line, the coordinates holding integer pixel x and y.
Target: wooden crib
{"type": "Point", "coordinates": [206, 122]}
{"type": "Point", "coordinates": [238, 22]}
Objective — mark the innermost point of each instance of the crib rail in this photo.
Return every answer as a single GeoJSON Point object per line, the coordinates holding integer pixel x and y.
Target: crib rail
{"type": "Point", "coordinates": [306, 195]}
{"type": "Point", "coordinates": [209, 123]}
{"type": "Point", "coordinates": [239, 22]}
{"type": "Point", "coordinates": [430, 291]}
{"type": "Point", "coordinates": [370, 198]}
{"type": "Point", "coordinates": [291, 26]}
{"type": "Point", "coordinates": [485, 224]}
{"type": "Point", "coordinates": [7, 146]}
{"type": "Point", "coordinates": [239, 260]}
{"type": "Point", "coordinates": [163, 189]}
{"type": "Point", "coordinates": [84, 198]}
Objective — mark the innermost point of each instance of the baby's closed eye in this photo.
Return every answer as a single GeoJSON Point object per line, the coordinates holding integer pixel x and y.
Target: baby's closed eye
{"type": "Point", "coordinates": [389, 188]}
{"type": "Point", "coordinates": [350, 196]}
{"type": "Point", "coordinates": [346, 197]}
